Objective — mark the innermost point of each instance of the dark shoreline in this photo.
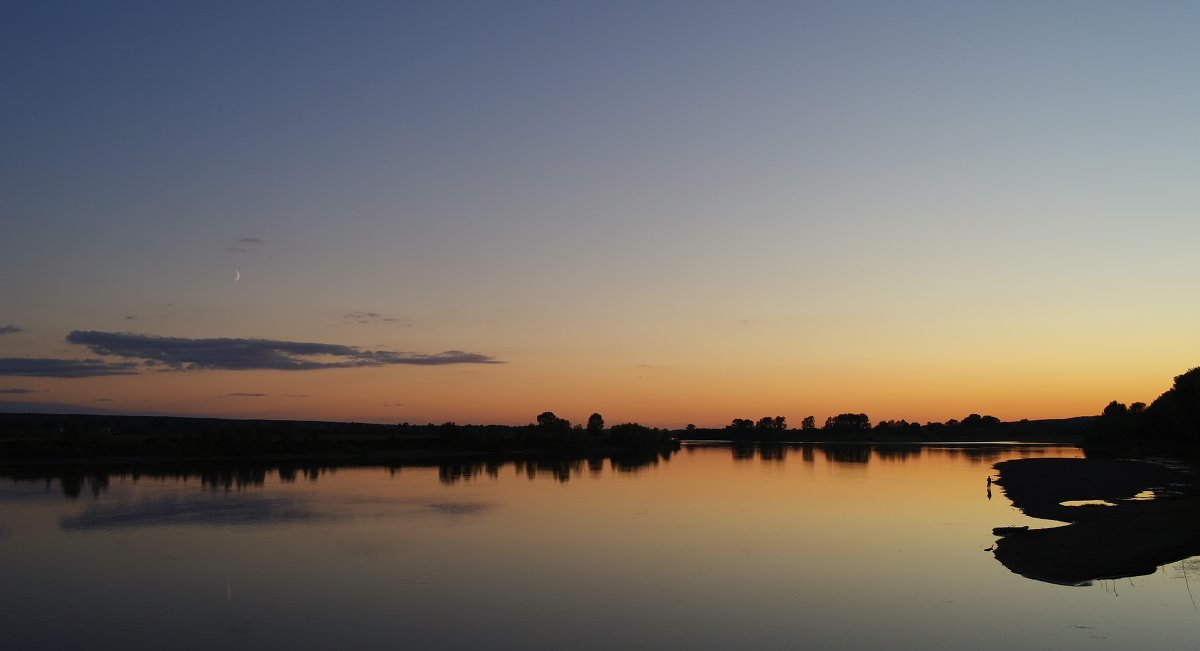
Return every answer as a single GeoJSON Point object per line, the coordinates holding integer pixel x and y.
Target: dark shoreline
{"type": "Point", "coordinates": [1132, 538]}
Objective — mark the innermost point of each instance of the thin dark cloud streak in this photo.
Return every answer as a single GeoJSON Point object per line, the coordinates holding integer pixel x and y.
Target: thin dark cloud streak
{"type": "Point", "coordinates": [366, 318]}
{"type": "Point", "coordinates": [10, 391]}
{"type": "Point", "coordinates": [251, 240]}
{"type": "Point", "coordinates": [184, 354]}
{"type": "Point", "coordinates": [10, 329]}
{"type": "Point", "coordinates": [63, 368]}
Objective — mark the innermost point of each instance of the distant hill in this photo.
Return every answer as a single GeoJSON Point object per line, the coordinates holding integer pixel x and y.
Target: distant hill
{"type": "Point", "coordinates": [33, 407]}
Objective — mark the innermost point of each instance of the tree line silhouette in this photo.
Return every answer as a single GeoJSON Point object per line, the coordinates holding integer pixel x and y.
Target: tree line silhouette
{"type": "Point", "coordinates": [74, 436]}
{"type": "Point", "coordinates": [848, 426]}
{"type": "Point", "coordinates": [549, 432]}
{"type": "Point", "coordinates": [1171, 423]}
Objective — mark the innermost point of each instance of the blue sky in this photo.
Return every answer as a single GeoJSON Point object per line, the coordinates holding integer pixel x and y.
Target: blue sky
{"type": "Point", "coordinates": [788, 207]}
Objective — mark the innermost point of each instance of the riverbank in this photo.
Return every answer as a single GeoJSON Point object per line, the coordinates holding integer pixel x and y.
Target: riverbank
{"type": "Point", "coordinates": [45, 438]}
{"type": "Point", "coordinates": [1126, 536]}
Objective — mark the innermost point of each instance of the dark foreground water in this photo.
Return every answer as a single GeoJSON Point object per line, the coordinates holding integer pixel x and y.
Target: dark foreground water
{"type": "Point", "coordinates": [712, 548]}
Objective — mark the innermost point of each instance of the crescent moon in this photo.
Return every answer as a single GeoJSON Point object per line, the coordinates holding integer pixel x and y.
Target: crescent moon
{"type": "Point", "coordinates": [237, 275]}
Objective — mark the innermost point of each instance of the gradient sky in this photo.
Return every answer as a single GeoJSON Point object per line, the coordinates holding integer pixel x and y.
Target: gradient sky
{"type": "Point", "coordinates": [664, 212]}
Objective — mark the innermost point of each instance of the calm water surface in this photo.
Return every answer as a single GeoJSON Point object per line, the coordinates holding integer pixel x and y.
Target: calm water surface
{"type": "Point", "coordinates": [712, 548]}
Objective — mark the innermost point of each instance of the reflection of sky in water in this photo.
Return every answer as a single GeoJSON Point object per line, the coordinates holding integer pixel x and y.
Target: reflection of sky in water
{"type": "Point", "coordinates": [248, 510]}
{"type": "Point", "coordinates": [713, 549]}
{"type": "Point", "coordinates": [236, 511]}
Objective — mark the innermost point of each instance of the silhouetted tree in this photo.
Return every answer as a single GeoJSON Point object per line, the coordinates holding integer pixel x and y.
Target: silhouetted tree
{"type": "Point", "coordinates": [1170, 423]}
{"type": "Point", "coordinates": [635, 434]}
{"type": "Point", "coordinates": [975, 420]}
{"type": "Point", "coordinates": [595, 424]}
{"type": "Point", "coordinates": [768, 423]}
{"type": "Point", "coordinates": [1177, 412]}
{"type": "Point", "coordinates": [897, 427]}
{"type": "Point", "coordinates": [848, 423]}
{"type": "Point", "coordinates": [553, 431]}
{"type": "Point", "coordinates": [1115, 409]}
{"type": "Point", "coordinates": [548, 420]}
{"type": "Point", "coordinates": [808, 423]}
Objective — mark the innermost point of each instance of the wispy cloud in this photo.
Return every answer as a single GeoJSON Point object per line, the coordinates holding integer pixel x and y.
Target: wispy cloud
{"type": "Point", "coordinates": [63, 368]}
{"type": "Point", "coordinates": [179, 353]}
{"type": "Point", "coordinates": [369, 317]}
{"type": "Point", "coordinates": [10, 329]}
{"type": "Point", "coordinates": [15, 391]}
{"type": "Point", "coordinates": [244, 395]}
{"type": "Point", "coordinates": [384, 358]}
{"type": "Point", "coordinates": [245, 244]}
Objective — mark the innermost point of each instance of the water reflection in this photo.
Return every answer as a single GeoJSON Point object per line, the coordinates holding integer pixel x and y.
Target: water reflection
{"type": "Point", "coordinates": [698, 550]}
{"type": "Point", "coordinates": [77, 480]}
{"type": "Point", "coordinates": [861, 454]}
{"type": "Point", "coordinates": [171, 511]}
{"type": "Point", "coordinates": [255, 509]}
{"type": "Point", "coordinates": [848, 454]}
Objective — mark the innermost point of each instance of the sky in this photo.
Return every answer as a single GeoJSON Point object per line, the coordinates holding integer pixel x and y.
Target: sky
{"type": "Point", "coordinates": [664, 212]}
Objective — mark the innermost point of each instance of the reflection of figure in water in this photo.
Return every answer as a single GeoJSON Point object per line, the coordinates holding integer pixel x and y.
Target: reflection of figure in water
{"type": "Point", "coordinates": [989, 487]}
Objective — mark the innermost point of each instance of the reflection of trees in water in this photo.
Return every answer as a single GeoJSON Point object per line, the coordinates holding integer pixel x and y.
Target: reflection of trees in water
{"type": "Point", "coordinates": [772, 452]}
{"type": "Point", "coordinates": [981, 455]}
{"type": "Point", "coordinates": [72, 484]}
{"type": "Point", "coordinates": [559, 468]}
{"type": "Point", "coordinates": [897, 452]}
{"type": "Point", "coordinates": [765, 451]}
{"type": "Point", "coordinates": [847, 454]}
{"type": "Point", "coordinates": [993, 453]}
{"type": "Point", "coordinates": [74, 480]}
{"type": "Point", "coordinates": [635, 460]}
{"type": "Point", "coordinates": [856, 454]}
{"type": "Point", "coordinates": [449, 473]}
{"type": "Point", "coordinates": [974, 453]}
{"type": "Point", "coordinates": [742, 450]}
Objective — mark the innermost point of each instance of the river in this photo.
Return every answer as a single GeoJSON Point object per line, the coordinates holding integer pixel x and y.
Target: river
{"type": "Point", "coordinates": [711, 547]}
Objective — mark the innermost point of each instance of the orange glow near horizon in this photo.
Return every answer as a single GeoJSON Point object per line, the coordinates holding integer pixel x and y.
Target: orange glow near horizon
{"type": "Point", "coordinates": [656, 396]}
